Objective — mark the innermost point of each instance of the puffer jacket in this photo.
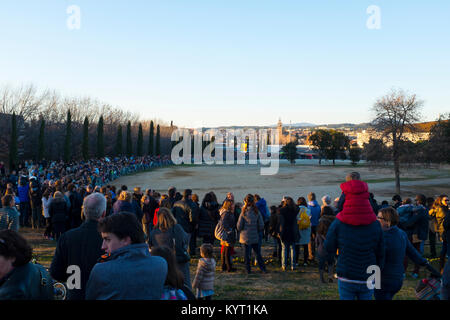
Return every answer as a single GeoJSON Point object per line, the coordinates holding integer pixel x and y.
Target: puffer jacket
{"type": "Point", "coordinates": [250, 224]}
{"type": "Point", "coordinates": [228, 222]}
{"type": "Point", "coordinates": [360, 246]}
{"type": "Point", "coordinates": [204, 277]}
{"type": "Point", "coordinates": [315, 209]}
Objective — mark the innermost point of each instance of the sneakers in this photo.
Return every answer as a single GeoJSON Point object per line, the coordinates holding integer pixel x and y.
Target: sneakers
{"type": "Point", "coordinates": [414, 275]}
{"type": "Point", "coordinates": [283, 268]}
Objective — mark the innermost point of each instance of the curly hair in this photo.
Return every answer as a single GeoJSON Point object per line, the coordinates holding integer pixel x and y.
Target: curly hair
{"type": "Point", "coordinates": [13, 245]}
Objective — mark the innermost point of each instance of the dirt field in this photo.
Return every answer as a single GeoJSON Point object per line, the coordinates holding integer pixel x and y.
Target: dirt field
{"type": "Point", "coordinates": [292, 180]}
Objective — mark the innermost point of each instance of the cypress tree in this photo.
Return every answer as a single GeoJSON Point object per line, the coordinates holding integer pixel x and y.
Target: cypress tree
{"type": "Point", "coordinates": [68, 140]}
{"type": "Point", "coordinates": [158, 141]}
{"type": "Point", "coordinates": [85, 147]}
{"type": "Point", "coordinates": [140, 141]}
{"type": "Point", "coordinates": [13, 144]}
{"type": "Point", "coordinates": [100, 142]}
{"type": "Point", "coordinates": [41, 147]}
{"type": "Point", "coordinates": [119, 150]}
{"type": "Point", "coordinates": [129, 140]}
{"type": "Point", "coordinates": [150, 140]}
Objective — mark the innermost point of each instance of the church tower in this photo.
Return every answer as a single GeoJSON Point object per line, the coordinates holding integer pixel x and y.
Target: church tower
{"type": "Point", "coordinates": [280, 130]}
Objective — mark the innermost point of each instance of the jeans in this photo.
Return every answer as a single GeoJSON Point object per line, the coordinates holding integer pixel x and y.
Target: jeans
{"type": "Point", "coordinates": [184, 268]}
{"type": "Point", "coordinates": [247, 258]}
{"type": "Point", "coordinates": [287, 247]}
{"type": "Point", "coordinates": [350, 291]}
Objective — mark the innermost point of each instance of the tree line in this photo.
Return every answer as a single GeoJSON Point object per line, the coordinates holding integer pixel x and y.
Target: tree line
{"type": "Point", "coordinates": [45, 125]}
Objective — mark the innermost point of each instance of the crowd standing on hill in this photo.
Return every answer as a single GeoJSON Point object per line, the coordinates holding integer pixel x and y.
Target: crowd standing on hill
{"type": "Point", "coordinates": [104, 230]}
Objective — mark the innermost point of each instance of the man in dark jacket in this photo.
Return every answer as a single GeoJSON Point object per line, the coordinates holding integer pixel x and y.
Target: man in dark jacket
{"type": "Point", "coordinates": [186, 213]}
{"type": "Point", "coordinates": [358, 236]}
{"type": "Point", "coordinates": [75, 208]}
{"type": "Point", "coordinates": [80, 247]}
{"type": "Point", "coordinates": [35, 196]}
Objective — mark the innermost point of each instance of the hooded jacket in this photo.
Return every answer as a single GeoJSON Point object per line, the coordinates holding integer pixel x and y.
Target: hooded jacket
{"type": "Point", "coordinates": [204, 277]}
{"type": "Point", "coordinates": [315, 209]}
{"type": "Point", "coordinates": [357, 209]}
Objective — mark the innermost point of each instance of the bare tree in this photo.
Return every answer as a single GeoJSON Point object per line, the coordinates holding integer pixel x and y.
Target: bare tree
{"type": "Point", "coordinates": [396, 114]}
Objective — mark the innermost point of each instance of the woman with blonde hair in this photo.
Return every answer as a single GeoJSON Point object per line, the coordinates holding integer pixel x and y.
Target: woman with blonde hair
{"type": "Point", "coordinates": [123, 203]}
{"type": "Point", "coordinates": [167, 232]}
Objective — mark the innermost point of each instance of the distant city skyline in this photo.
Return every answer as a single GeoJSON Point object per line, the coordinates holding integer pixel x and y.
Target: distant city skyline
{"type": "Point", "coordinates": [206, 63]}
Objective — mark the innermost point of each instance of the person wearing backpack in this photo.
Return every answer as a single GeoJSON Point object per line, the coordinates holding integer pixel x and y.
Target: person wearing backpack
{"type": "Point", "coordinates": [304, 227]}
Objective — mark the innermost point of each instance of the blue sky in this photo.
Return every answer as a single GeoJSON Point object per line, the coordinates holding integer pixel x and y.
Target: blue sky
{"type": "Point", "coordinates": [234, 62]}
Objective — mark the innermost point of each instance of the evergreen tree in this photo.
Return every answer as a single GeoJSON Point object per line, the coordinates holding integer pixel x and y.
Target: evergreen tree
{"type": "Point", "coordinates": [140, 142]}
{"type": "Point", "coordinates": [158, 141]}
{"type": "Point", "coordinates": [85, 147]}
{"type": "Point", "coordinates": [41, 147]}
{"type": "Point", "coordinates": [150, 140]}
{"type": "Point", "coordinates": [13, 144]}
{"type": "Point", "coordinates": [68, 139]}
{"type": "Point", "coordinates": [129, 140]}
{"type": "Point", "coordinates": [119, 150]}
{"type": "Point", "coordinates": [100, 142]}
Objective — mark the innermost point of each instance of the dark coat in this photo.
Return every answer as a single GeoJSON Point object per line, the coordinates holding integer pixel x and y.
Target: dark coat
{"type": "Point", "coordinates": [186, 214]}
{"type": "Point", "coordinates": [208, 218]}
{"type": "Point", "coordinates": [175, 236]}
{"type": "Point", "coordinates": [288, 228]}
{"type": "Point", "coordinates": [28, 282]}
{"type": "Point", "coordinates": [229, 223]}
{"type": "Point", "coordinates": [396, 246]}
{"type": "Point", "coordinates": [76, 203]}
{"type": "Point", "coordinates": [81, 247]}
{"type": "Point", "coordinates": [417, 223]}
{"type": "Point", "coordinates": [122, 206]}
{"type": "Point", "coordinates": [58, 211]}
{"type": "Point", "coordinates": [360, 246]}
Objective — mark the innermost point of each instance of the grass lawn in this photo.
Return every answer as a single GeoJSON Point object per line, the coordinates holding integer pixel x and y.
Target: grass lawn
{"type": "Point", "coordinates": [302, 284]}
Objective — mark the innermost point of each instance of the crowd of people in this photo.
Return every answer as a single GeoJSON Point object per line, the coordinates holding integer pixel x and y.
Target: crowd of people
{"type": "Point", "coordinates": [105, 231]}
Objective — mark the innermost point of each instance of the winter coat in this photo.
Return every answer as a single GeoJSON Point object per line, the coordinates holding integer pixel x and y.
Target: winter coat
{"type": "Point", "coordinates": [204, 276]}
{"type": "Point", "coordinates": [129, 273]}
{"type": "Point", "coordinates": [9, 219]}
{"type": "Point", "coordinates": [356, 209]}
{"type": "Point", "coordinates": [58, 211]}
{"type": "Point", "coordinates": [315, 212]}
{"type": "Point", "coordinates": [23, 193]}
{"type": "Point", "coordinates": [324, 224]}
{"type": "Point", "coordinates": [28, 282]}
{"type": "Point", "coordinates": [250, 224]}
{"type": "Point", "coordinates": [273, 225]}
{"type": "Point", "coordinates": [439, 213]}
{"type": "Point", "coordinates": [186, 214]}
{"type": "Point", "coordinates": [122, 206]}
{"type": "Point", "coordinates": [261, 204]}
{"type": "Point", "coordinates": [209, 215]}
{"type": "Point", "coordinates": [360, 246]}
{"type": "Point", "coordinates": [167, 238]}
{"type": "Point", "coordinates": [228, 223]}
{"type": "Point", "coordinates": [35, 197]}
{"type": "Point", "coordinates": [82, 247]}
{"type": "Point", "coordinates": [417, 223]}
{"type": "Point", "coordinates": [288, 228]}
{"type": "Point", "coordinates": [397, 246]}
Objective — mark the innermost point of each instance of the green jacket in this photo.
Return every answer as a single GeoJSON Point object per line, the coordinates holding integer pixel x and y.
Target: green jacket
{"type": "Point", "coordinates": [28, 282]}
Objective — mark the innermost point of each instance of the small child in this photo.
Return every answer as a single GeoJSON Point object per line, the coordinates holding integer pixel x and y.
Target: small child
{"type": "Point", "coordinates": [204, 277]}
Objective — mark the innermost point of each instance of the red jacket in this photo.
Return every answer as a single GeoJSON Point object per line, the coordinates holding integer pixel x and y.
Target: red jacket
{"type": "Point", "coordinates": [357, 209]}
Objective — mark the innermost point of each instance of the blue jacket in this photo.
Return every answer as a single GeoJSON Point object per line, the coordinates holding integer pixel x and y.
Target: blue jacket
{"type": "Point", "coordinates": [315, 212]}
{"type": "Point", "coordinates": [360, 246]}
{"type": "Point", "coordinates": [121, 206]}
{"type": "Point", "coordinates": [23, 193]}
{"type": "Point", "coordinates": [417, 223]}
{"type": "Point", "coordinates": [130, 273]}
{"type": "Point", "coordinates": [262, 207]}
{"type": "Point", "coordinates": [396, 246]}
